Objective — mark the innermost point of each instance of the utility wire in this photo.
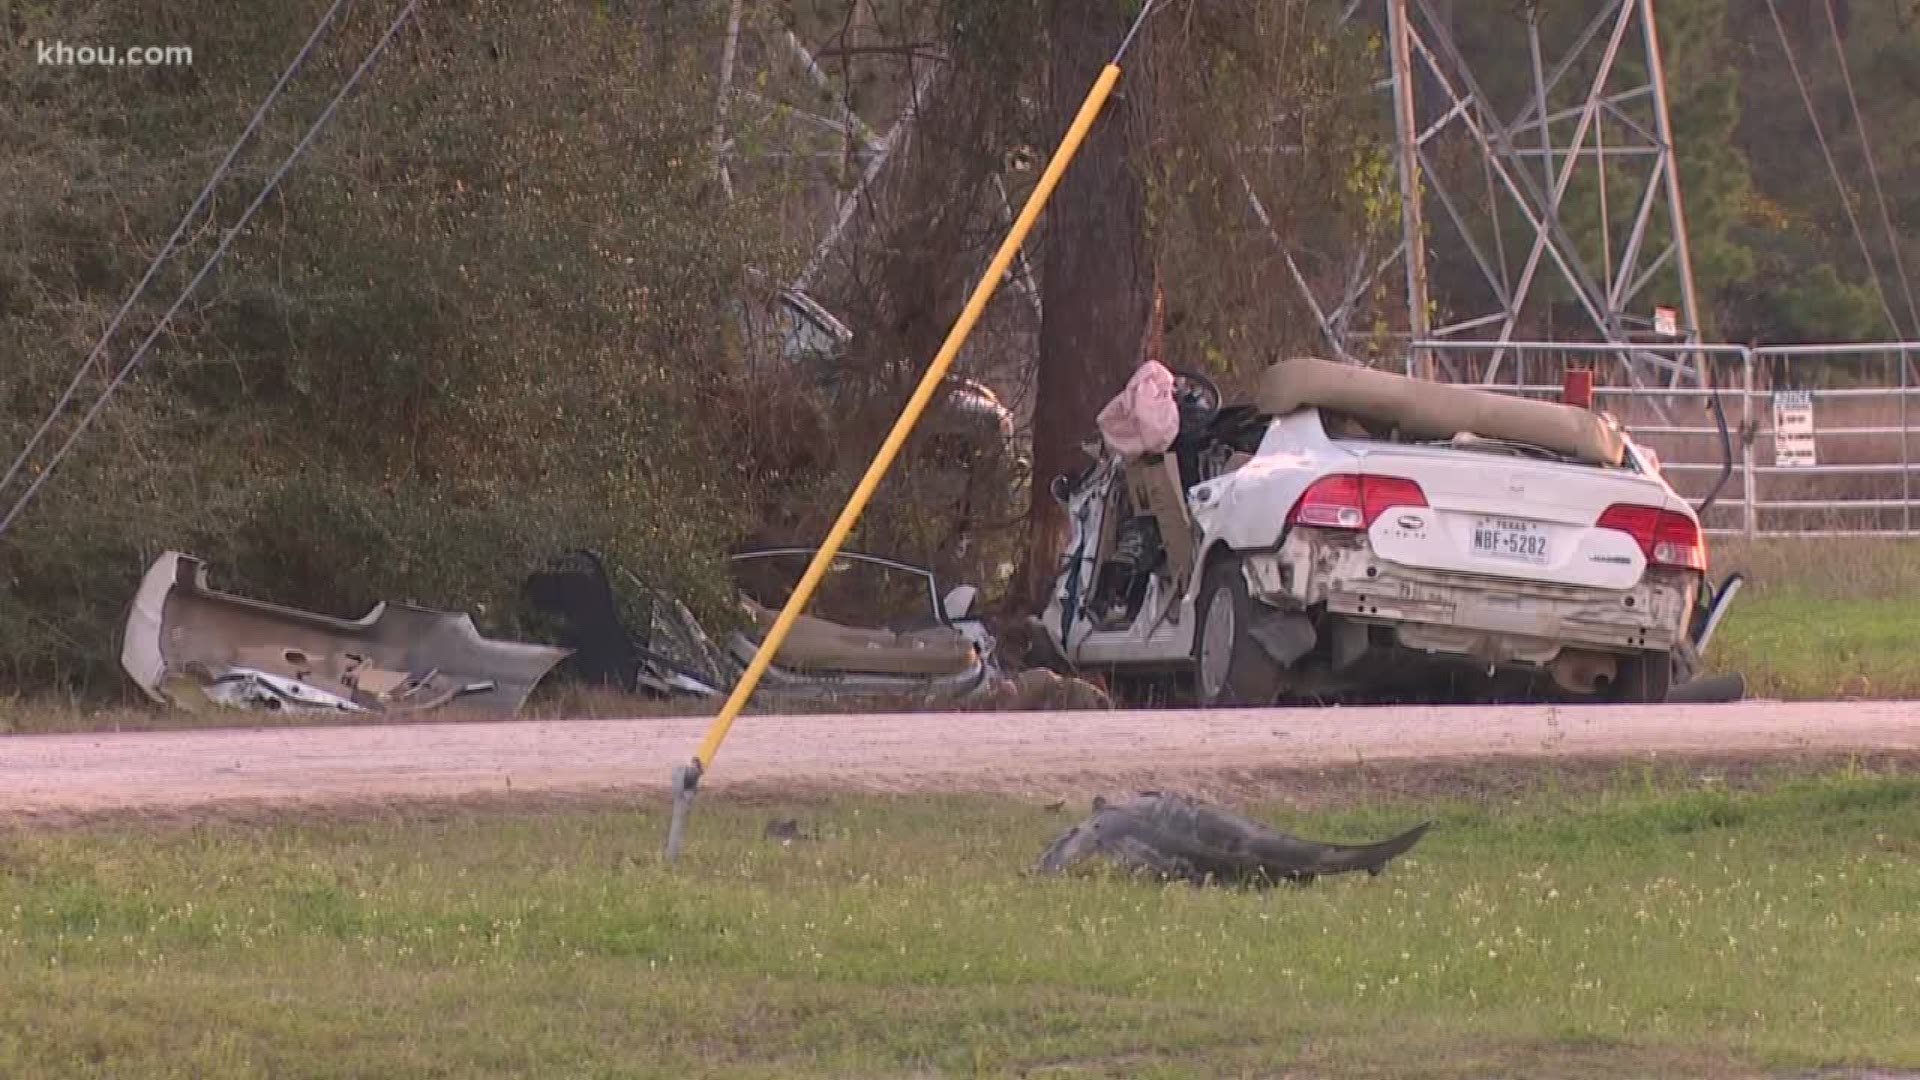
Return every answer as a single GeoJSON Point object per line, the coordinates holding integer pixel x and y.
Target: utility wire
{"type": "Point", "coordinates": [166, 249]}
{"type": "Point", "coordinates": [1873, 173]}
{"type": "Point", "coordinates": [1833, 169]}
{"type": "Point", "coordinates": [226, 240]}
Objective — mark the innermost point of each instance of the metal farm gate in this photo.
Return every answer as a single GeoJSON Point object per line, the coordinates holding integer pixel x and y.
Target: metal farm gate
{"type": "Point", "coordinates": [1822, 437]}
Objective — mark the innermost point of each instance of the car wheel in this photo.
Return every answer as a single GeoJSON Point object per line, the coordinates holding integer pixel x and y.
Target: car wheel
{"type": "Point", "coordinates": [1230, 667]}
{"type": "Point", "coordinates": [1643, 679]}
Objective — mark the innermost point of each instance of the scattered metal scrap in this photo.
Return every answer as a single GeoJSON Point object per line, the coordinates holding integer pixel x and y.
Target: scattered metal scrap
{"type": "Point", "coordinates": [659, 649]}
{"type": "Point", "coordinates": [247, 688]}
{"type": "Point", "coordinates": [936, 651]}
{"type": "Point", "coordinates": [188, 645]}
{"type": "Point", "coordinates": [1710, 690]}
{"type": "Point", "coordinates": [1180, 837]}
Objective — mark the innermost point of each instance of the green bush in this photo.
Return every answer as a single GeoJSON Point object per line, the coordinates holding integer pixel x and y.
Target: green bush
{"type": "Point", "coordinates": [477, 325]}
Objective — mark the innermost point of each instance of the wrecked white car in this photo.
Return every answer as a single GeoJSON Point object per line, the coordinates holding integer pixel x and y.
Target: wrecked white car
{"type": "Point", "coordinates": [189, 645]}
{"type": "Point", "coordinates": [1357, 531]}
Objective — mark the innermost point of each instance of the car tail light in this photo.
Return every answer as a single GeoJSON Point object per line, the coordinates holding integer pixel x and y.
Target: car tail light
{"type": "Point", "coordinates": [1665, 537]}
{"type": "Point", "coordinates": [1347, 501]}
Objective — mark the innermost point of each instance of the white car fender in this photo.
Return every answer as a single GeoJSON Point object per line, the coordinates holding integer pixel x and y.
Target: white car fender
{"type": "Point", "coordinates": [1247, 509]}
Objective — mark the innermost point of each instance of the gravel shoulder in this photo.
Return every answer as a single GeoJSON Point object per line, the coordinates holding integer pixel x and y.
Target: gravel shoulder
{"type": "Point", "coordinates": [1016, 753]}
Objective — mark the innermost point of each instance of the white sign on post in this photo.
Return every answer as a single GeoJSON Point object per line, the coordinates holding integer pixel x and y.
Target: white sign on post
{"type": "Point", "coordinates": [1793, 428]}
{"type": "Point", "coordinates": [1666, 322]}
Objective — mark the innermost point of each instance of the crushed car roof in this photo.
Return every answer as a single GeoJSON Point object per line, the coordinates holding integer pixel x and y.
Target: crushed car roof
{"type": "Point", "coordinates": [1424, 409]}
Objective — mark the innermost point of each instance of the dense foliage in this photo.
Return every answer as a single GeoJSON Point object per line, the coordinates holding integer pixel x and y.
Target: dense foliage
{"type": "Point", "coordinates": [489, 316]}
{"type": "Point", "coordinates": [476, 324]}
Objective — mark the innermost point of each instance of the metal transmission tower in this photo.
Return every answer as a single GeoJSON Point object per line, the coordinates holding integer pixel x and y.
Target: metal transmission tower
{"type": "Point", "coordinates": [786, 118]}
{"type": "Point", "coordinates": [1511, 164]}
{"type": "Point", "coordinates": [825, 122]}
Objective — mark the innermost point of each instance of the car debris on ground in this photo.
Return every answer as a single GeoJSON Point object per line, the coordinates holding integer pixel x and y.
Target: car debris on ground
{"type": "Point", "coordinates": [932, 649]}
{"type": "Point", "coordinates": [661, 651]}
{"type": "Point", "coordinates": [1038, 689]}
{"type": "Point", "coordinates": [191, 646]}
{"type": "Point", "coordinates": [1179, 837]}
{"type": "Point", "coordinates": [1710, 690]}
{"type": "Point", "coordinates": [249, 688]}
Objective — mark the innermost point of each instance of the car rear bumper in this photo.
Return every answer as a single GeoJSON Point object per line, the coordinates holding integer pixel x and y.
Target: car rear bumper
{"type": "Point", "coordinates": [1487, 618]}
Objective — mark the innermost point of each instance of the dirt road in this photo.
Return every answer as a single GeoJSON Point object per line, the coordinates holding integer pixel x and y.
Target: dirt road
{"type": "Point", "coordinates": [1015, 752]}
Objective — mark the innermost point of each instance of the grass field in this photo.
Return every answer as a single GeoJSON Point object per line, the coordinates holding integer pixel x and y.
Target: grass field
{"type": "Point", "coordinates": [1802, 647]}
{"type": "Point", "coordinates": [1817, 621]}
{"type": "Point", "coordinates": [1659, 924]}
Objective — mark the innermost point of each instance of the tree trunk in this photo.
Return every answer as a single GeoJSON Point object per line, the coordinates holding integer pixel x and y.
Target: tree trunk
{"type": "Point", "coordinates": [1096, 281]}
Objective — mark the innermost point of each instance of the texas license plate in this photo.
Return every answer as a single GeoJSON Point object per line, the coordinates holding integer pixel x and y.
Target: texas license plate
{"type": "Point", "coordinates": [1510, 540]}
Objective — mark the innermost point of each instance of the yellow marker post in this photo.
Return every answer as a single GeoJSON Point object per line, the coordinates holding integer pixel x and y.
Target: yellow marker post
{"type": "Point", "coordinates": [687, 777]}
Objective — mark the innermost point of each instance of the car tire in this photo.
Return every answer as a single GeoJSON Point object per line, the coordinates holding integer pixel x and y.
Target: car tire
{"type": "Point", "coordinates": [1643, 679]}
{"type": "Point", "coordinates": [1230, 669]}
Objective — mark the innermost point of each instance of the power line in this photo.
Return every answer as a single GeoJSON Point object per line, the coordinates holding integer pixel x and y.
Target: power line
{"type": "Point", "coordinates": [166, 249]}
{"type": "Point", "coordinates": [226, 240]}
{"type": "Point", "coordinates": [1873, 172]}
{"type": "Point", "coordinates": [1833, 169]}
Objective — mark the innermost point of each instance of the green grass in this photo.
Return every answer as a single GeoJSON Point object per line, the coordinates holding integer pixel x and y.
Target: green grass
{"type": "Point", "coordinates": [1819, 621]}
{"type": "Point", "coordinates": [1659, 926]}
{"type": "Point", "coordinates": [1802, 647]}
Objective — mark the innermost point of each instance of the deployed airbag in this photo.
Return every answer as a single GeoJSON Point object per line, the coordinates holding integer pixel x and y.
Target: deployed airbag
{"type": "Point", "coordinates": [1143, 418]}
